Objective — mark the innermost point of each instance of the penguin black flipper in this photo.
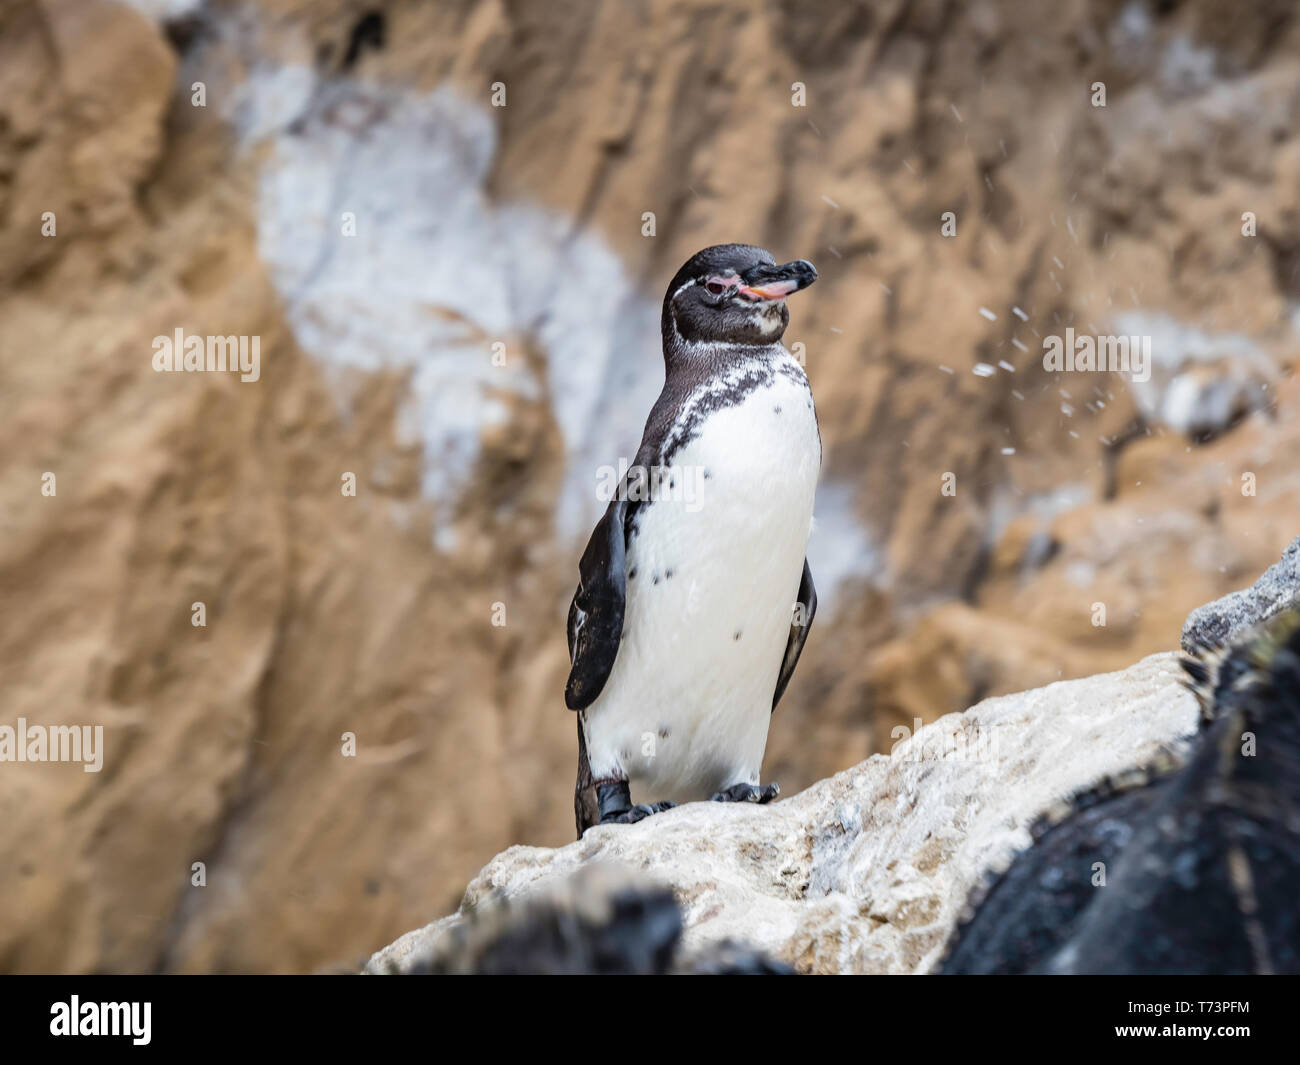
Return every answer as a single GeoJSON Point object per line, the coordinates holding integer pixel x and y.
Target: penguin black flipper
{"type": "Point", "coordinates": [596, 613]}
{"type": "Point", "coordinates": [800, 622]}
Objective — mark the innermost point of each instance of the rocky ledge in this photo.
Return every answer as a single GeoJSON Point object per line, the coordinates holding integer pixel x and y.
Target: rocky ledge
{"type": "Point", "coordinates": [870, 871]}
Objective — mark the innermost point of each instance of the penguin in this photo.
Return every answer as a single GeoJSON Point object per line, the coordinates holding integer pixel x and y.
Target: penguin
{"type": "Point", "coordinates": [694, 595]}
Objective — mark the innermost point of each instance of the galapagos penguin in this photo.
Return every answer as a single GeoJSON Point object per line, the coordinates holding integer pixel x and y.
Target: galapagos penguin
{"type": "Point", "coordinates": [694, 597]}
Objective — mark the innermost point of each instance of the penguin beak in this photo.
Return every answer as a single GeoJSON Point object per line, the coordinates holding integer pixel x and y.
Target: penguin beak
{"type": "Point", "coordinates": [765, 282]}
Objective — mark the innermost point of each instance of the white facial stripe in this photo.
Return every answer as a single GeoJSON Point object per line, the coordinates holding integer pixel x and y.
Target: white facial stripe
{"type": "Point", "coordinates": [728, 278]}
{"type": "Point", "coordinates": [683, 288]}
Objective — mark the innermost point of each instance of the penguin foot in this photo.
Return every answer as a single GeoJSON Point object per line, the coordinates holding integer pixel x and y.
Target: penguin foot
{"type": "Point", "coordinates": [614, 800]}
{"type": "Point", "coordinates": [748, 793]}
{"type": "Point", "coordinates": [636, 813]}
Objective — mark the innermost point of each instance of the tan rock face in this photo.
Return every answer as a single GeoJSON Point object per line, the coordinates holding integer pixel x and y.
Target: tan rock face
{"type": "Point", "coordinates": [373, 615]}
{"type": "Point", "coordinates": [869, 871]}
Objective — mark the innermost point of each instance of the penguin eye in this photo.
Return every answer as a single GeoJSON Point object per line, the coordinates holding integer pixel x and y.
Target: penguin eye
{"type": "Point", "coordinates": [716, 287]}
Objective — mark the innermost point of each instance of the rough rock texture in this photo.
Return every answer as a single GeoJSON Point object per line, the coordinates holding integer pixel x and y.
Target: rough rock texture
{"type": "Point", "coordinates": [374, 615]}
{"type": "Point", "coordinates": [868, 871]}
{"type": "Point", "coordinates": [1279, 587]}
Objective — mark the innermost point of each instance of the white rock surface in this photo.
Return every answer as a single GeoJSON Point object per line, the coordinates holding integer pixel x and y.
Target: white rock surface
{"type": "Point", "coordinates": [868, 871]}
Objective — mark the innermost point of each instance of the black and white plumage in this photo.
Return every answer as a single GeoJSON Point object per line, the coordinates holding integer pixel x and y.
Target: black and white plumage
{"type": "Point", "coordinates": [694, 597]}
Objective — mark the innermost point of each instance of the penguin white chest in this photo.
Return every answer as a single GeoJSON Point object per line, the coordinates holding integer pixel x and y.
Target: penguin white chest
{"type": "Point", "coordinates": [713, 571]}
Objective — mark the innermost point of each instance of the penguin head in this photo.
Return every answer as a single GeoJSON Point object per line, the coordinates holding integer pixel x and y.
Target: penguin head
{"type": "Point", "coordinates": [731, 294]}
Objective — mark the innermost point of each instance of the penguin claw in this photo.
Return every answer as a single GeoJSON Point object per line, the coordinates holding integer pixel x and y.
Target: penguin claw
{"type": "Point", "coordinates": [748, 793]}
{"type": "Point", "coordinates": [614, 800]}
{"type": "Point", "coordinates": [636, 813]}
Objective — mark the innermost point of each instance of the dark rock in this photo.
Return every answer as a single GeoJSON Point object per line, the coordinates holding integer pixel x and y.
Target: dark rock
{"type": "Point", "coordinates": [1215, 623]}
{"type": "Point", "coordinates": [600, 921]}
{"type": "Point", "coordinates": [1201, 863]}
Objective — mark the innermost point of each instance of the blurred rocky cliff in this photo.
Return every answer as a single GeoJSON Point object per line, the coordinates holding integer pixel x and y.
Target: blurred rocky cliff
{"type": "Point", "coordinates": [457, 303]}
